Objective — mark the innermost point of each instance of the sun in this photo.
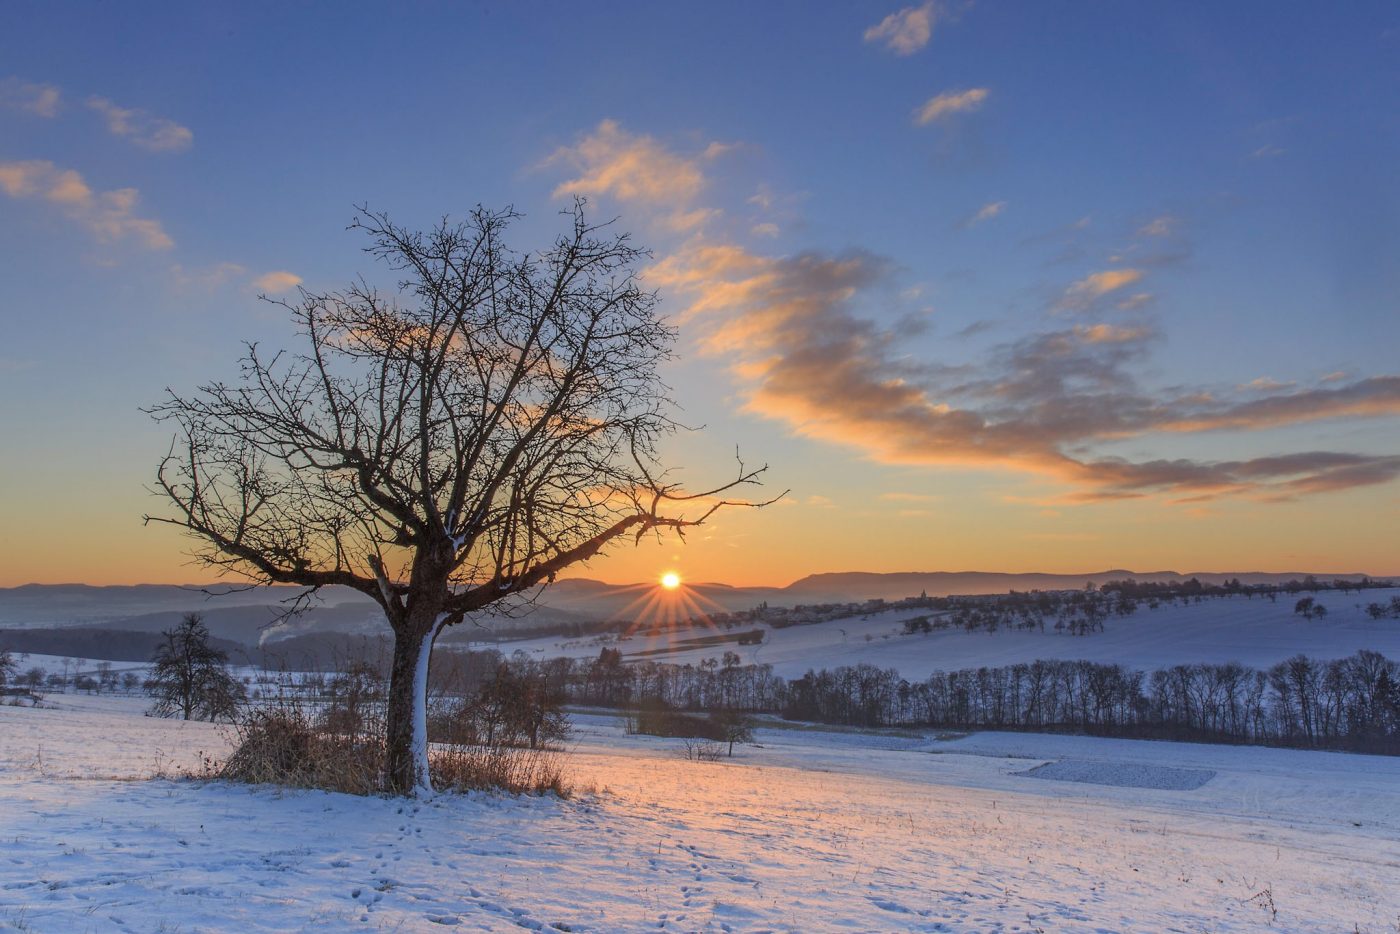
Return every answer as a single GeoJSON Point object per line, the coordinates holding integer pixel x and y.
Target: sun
{"type": "Point", "coordinates": [670, 580]}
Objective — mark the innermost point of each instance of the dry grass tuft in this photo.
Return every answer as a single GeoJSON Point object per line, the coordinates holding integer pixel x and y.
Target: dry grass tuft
{"type": "Point", "coordinates": [282, 746]}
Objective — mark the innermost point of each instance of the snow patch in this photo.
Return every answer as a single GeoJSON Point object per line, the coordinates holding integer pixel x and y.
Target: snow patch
{"type": "Point", "coordinates": [1121, 774]}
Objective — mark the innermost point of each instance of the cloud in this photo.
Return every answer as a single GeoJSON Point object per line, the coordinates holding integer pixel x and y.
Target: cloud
{"type": "Point", "coordinates": [635, 168]}
{"type": "Point", "coordinates": [767, 229]}
{"type": "Point", "coordinates": [108, 215]}
{"type": "Point", "coordinates": [1265, 384]}
{"type": "Point", "coordinates": [803, 356]}
{"type": "Point", "coordinates": [1086, 291]}
{"type": "Point", "coordinates": [1111, 334]}
{"type": "Point", "coordinates": [949, 103]}
{"type": "Point", "coordinates": [1373, 396]}
{"type": "Point", "coordinates": [146, 130]}
{"type": "Point", "coordinates": [906, 31]}
{"type": "Point", "coordinates": [1135, 301]}
{"type": "Point", "coordinates": [975, 328]}
{"type": "Point", "coordinates": [1158, 227]}
{"type": "Point", "coordinates": [985, 213]}
{"type": "Point", "coordinates": [277, 281]}
{"type": "Point", "coordinates": [42, 100]}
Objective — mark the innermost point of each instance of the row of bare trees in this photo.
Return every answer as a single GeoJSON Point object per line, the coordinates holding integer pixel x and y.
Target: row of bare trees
{"type": "Point", "coordinates": [1351, 703]}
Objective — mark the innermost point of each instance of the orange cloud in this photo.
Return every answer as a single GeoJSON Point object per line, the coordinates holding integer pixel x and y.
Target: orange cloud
{"type": "Point", "coordinates": [906, 31]}
{"type": "Point", "coordinates": [108, 215]}
{"type": "Point", "coordinates": [42, 100]}
{"type": "Point", "coordinates": [277, 281]}
{"type": "Point", "coordinates": [1094, 286]}
{"type": "Point", "coordinates": [804, 357]}
{"type": "Point", "coordinates": [638, 168]}
{"type": "Point", "coordinates": [143, 129]}
{"type": "Point", "coordinates": [949, 103]}
{"type": "Point", "coordinates": [1110, 334]}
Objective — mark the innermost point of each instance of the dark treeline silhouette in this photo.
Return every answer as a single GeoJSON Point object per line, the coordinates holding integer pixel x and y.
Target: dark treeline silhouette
{"type": "Point", "coordinates": [1349, 704]}
{"type": "Point", "coordinates": [117, 645]}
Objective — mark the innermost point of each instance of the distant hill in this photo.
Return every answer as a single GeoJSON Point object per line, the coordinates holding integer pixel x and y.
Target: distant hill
{"type": "Point", "coordinates": [253, 618]}
{"type": "Point", "coordinates": [66, 604]}
{"type": "Point", "coordinates": [856, 585]}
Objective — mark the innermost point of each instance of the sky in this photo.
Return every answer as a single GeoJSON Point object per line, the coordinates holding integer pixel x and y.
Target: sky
{"type": "Point", "coordinates": [1023, 286]}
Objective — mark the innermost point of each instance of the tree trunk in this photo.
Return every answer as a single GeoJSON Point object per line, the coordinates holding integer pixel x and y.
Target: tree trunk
{"type": "Point", "coordinates": [406, 721]}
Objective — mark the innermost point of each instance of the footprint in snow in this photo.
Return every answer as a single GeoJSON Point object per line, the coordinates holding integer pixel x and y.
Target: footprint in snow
{"type": "Point", "coordinates": [889, 905]}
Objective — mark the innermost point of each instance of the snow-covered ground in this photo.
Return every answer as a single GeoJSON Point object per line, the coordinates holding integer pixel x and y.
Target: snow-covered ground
{"type": "Point", "coordinates": [1255, 632]}
{"type": "Point", "coordinates": [810, 831]}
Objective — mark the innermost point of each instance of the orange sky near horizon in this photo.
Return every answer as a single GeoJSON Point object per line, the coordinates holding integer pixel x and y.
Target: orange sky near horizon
{"type": "Point", "coordinates": [807, 534]}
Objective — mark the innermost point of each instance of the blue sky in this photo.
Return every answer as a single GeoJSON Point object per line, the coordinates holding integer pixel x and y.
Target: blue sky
{"type": "Point", "coordinates": [1121, 258]}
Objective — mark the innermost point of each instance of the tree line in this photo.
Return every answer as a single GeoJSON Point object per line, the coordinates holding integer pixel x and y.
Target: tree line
{"type": "Point", "coordinates": [1350, 704]}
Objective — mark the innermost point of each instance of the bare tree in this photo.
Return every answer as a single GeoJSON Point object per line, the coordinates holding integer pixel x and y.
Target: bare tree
{"type": "Point", "coordinates": [446, 449]}
{"type": "Point", "coordinates": [8, 666]}
{"type": "Point", "coordinates": [190, 677]}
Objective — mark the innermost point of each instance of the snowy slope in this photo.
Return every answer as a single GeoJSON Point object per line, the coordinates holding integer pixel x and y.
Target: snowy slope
{"type": "Point", "coordinates": [1255, 632]}
{"type": "Point", "coordinates": [812, 832]}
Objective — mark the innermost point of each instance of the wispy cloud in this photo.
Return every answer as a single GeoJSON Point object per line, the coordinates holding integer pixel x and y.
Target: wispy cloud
{"type": "Point", "coordinates": [277, 281]}
{"type": "Point", "coordinates": [1135, 301]}
{"type": "Point", "coordinates": [1162, 226]}
{"type": "Point", "coordinates": [43, 100]}
{"type": "Point", "coordinates": [803, 356]}
{"type": "Point", "coordinates": [1266, 384]}
{"type": "Point", "coordinates": [948, 103]}
{"type": "Point", "coordinates": [906, 31]}
{"type": "Point", "coordinates": [1111, 334]}
{"type": "Point", "coordinates": [638, 168]}
{"type": "Point", "coordinates": [150, 132]}
{"type": "Point", "coordinates": [108, 215]}
{"type": "Point", "coordinates": [985, 213]}
{"type": "Point", "coordinates": [1047, 403]}
{"type": "Point", "coordinates": [1083, 293]}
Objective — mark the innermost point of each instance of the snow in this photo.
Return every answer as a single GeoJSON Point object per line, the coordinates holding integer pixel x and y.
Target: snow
{"type": "Point", "coordinates": [1124, 774]}
{"type": "Point", "coordinates": [1255, 631]}
{"type": "Point", "coordinates": [808, 830]}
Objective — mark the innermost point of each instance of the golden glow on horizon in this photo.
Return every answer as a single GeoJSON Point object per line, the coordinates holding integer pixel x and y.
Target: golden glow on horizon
{"type": "Point", "coordinates": [670, 580]}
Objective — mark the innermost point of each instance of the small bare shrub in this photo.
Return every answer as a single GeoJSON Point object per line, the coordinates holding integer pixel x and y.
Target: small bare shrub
{"type": "Point", "coordinates": [702, 750]}
{"type": "Point", "coordinates": [1264, 898]}
{"type": "Point", "coordinates": [282, 746]}
{"type": "Point", "coordinates": [491, 739]}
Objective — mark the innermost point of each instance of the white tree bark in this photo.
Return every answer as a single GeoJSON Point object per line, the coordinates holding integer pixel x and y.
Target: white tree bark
{"type": "Point", "coordinates": [423, 782]}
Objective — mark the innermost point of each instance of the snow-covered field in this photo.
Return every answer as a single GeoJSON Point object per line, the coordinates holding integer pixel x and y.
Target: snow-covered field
{"type": "Point", "coordinates": [811, 831]}
{"type": "Point", "coordinates": [1255, 632]}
